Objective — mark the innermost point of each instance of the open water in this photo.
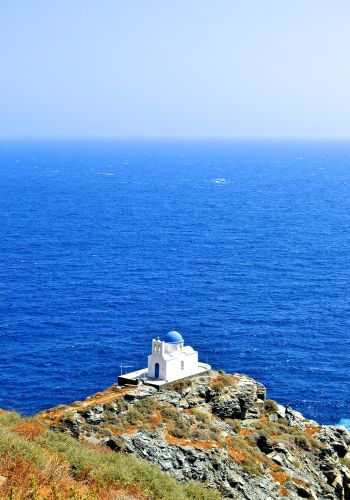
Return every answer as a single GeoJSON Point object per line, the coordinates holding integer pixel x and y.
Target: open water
{"type": "Point", "coordinates": [244, 247]}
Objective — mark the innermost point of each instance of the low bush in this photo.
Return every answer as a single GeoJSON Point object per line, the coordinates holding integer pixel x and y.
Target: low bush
{"type": "Point", "coordinates": [251, 467]}
{"type": "Point", "coordinates": [181, 429]}
{"type": "Point", "coordinates": [270, 406]}
{"type": "Point", "coordinates": [124, 469]}
{"type": "Point", "coordinates": [134, 417]}
{"type": "Point", "coordinates": [9, 418]}
{"type": "Point", "coordinates": [201, 416]}
{"type": "Point", "coordinates": [180, 385]}
{"type": "Point", "coordinates": [345, 461]}
{"type": "Point", "coordinates": [199, 435]}
{"type": "Point", "coordinates": [234, 423]}
{"type": "Point", "coordinates": [69, 417]}
{"type": "Point", "coordinates": [220, 383]}
{"type": "Point", "coordinates": [214, 434]}
{"type": "Point", "coordinates": [29, 429]}
{"type": "Point", "coordinates": [139, 412]}
{"type": "Point", "coordinates": [302, 440]}
{"type": "Point", "coordinates": [168, 411]}
{"type": "Point", "coordinates": [76, 403]}
{"type": "Point", "coordinates": [17, 446]}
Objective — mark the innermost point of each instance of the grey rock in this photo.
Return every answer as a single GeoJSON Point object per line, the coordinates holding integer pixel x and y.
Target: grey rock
{"type": "Point", "coordinates": [142, 392]}
{"type": "Point", "coordinates": [275, 457]}
{"type": "Point", "coordinates": [93, 417]}
{"type": "Point", "coordinates": [295, 418]}
{"type": "Point", "coordinates": [337, 438]}
{"type": "Point", "coordinates": [281, 413]}
{"type": "Point", "coordinates": [171, 397]}
{"type": "Point", "coordinates": [239, 401]}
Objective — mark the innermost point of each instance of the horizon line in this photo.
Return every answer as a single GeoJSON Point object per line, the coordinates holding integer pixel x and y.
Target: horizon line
{"type": "Point", "coordinates": [173, 138]}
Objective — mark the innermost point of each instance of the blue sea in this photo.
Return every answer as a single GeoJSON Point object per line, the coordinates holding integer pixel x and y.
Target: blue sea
{"type": "Point", "coordinates": [242, 246]}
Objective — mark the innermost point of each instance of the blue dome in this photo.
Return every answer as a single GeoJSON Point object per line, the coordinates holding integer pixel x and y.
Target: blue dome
{"type": "Point", "coordinates": [173, 337]}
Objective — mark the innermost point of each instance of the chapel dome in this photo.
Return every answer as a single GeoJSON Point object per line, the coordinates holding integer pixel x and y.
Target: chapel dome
{"type": "Point", "coordinates": [173, 337]}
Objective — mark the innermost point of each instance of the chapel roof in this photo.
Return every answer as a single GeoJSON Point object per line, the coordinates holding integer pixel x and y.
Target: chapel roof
{"type": "Point", "coordinates": [173, 337]}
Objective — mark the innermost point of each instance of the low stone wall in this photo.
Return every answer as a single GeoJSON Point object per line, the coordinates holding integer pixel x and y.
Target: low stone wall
{"type": "Point", "coordinates": [128, 381]}
{"type": "Point", "coordinates": [124, 380]}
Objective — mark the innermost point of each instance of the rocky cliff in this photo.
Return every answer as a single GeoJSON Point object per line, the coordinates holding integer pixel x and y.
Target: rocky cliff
{"type": "Point", "coordinates": [219, 430]}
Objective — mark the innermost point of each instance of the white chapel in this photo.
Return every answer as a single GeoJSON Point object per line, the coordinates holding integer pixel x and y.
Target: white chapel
{"type": "Point", "coordinates": [170, 360]}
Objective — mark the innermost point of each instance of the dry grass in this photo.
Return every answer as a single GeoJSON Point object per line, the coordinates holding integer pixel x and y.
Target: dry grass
{"type": "Point", "coordinates": [281, 478]}
{"type": "Point", "coordinates": [29, 429]}
{"type": "Point", "coordinates": [204, 445]}
{"type": "Point", "coordinates": [218, 384]}
{"type": "Point", "coordinates": [54, 416]}
{"type": "Point", "coordinates": [41, 464]}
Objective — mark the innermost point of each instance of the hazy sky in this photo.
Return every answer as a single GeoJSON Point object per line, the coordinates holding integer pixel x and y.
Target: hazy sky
{"type": "Point", "coordinates": [188, 68]}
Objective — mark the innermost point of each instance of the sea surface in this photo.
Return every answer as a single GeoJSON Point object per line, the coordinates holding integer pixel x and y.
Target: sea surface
{"type": "Point", "coordinates": [243, 247]}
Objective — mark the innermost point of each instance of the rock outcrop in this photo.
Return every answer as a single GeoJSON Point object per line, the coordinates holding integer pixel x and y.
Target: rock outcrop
{"type": "Point", "coordinates": [220, 430]}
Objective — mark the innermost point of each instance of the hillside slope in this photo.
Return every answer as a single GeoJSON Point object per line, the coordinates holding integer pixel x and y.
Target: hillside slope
{"type": "Point", "coordinates": [219, 430]}
{"type": "Point", "coordinates": [37, 463]}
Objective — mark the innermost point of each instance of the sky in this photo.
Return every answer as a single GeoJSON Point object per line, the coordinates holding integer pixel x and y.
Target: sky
{"type": "Point", "coordinates": [175, 68]}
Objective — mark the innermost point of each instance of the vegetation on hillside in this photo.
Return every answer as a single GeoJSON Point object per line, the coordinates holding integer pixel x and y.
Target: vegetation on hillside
{"type": "Point", "coordinates": [37, 463]}
{"type": "Point", "coordinates": [208, 429]}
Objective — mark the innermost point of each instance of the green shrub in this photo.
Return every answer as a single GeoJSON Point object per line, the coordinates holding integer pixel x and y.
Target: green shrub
{"type": "Point", "coordinates": [134, 417]}
{"type": "Point", "coordinates": [238, 442]}
{"type": "Point", "coordinates": [301, 440]}
{"type": "Point", "coordinates": [201, 415]}
{"type": "Point", "coordinates": [180, 385]}
{"type": "Point", "coordinates": [145, 405]}
{"type": "Point", "coordinates": [345, 461]}
{"type": "Point", "coordinates": [110, 418]}
{"type": "Point", "coordinates": [9, 418]}
{"type": "Point", "coordinates": [60, 407]}
{"type": "Point", "coordinates": [21, 447]}
{"type": "Point", "coordinates": [139, 412]}
{"type": "Point", "coordinates": [270, 406]}
{"type": "Point", "coordinates": [315, 443]}
{"type": "Point", "coordinates": [234, 423]}
{"type": "Point", "coordinates": [271, 429]}
{"type": "Point", "coordinates": [195, 491]}
{"type": "Point", "coordinates": [181, 429]}
{"type": "Point", "coordinates": [214, 434]}
{"type": "Point", "coordinates": [222, 382]}
{"type": "Point", "coordinates": [251, 467]}
{"type": "Point", "coordinates": [69, 417]}
{"type": "Point", "coordinates": [199, 435]}
{"type": "Point", "coordinates": [168, 411]}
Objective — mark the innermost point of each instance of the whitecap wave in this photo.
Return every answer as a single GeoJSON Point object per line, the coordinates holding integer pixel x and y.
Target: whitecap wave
{"type": "Point", "coordinates": [345, 422]}
{"type": "Point", "coordinates": [220, 181]}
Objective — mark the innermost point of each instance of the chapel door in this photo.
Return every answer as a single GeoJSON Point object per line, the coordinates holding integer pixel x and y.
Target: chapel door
{"type": "Point", "coordinates": [156, 370]}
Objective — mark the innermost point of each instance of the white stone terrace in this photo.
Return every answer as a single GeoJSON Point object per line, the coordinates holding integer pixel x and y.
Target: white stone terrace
{"type": "Point", "coordinates": [141, 376]}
